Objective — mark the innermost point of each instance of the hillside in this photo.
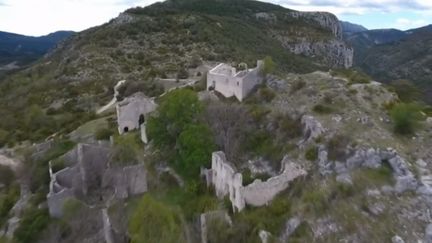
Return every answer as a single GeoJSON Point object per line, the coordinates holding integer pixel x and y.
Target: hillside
{"type": "Point", "coordinates": [22, 50]}
{"type": "Point", "coordinates": [169, 40]}
{"type": "Point", "coordinates": [392, 54]}
{"type": "Point", "coordinates": [212, 121]}
{"type": "Point", "coordinates": [350, 28]}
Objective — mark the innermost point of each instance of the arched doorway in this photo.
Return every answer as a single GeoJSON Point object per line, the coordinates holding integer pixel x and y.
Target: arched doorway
{"type": "Point", "coordinates": [126, 129]}
{"type": "Point", "coordinates": [141, 119]}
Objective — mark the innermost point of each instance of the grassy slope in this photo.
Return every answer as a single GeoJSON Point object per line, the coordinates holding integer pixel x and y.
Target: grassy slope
{"type": "Point", "coordinates": [161, 39]}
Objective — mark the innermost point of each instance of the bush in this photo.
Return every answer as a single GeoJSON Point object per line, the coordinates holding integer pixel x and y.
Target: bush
{"type": "Point", "coordinates": [177, 110]}
{"type": "Point", "coordinates": [316, 201]}
{"type": "Point", "coordinates": [7, 176]}
{"type": "Point", "coordinates": [312, 153]}
{"type": "Point", "coordinates": [195, 145]}
{"type": "Point", "coordinates": [155, 222]}
{"type": "Point", "coordinates": [103, 134]}
{"type": "Point", "coordinates": [353, 76]}
{"type": "Point", "coordinates": [269, 65]}
{"type": "Point", "coordinates": [406, 91]}
{"type": "Point", "coordinates": [405, 118]}
{"type": "Point", "coordinates": [297, 85]}
{"type": "Point", "coordinates": [322, 109]}
{"type": "Point", "coordinates": [182, 74]}
{"type": "Point", "coordinates": [31, 225]}
{"type": "Point", "coordinates": [337, 146]}
{"type": "Point", "coordinates": [126, 150]}
{"type": "Point", "coordinates": [8, 199]}
{"type": "Point", "coordinates": [267, 94]}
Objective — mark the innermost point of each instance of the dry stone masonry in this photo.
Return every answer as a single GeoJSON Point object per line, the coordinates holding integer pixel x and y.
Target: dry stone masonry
{"type": "Point", "coordinates": [229, 82]}
{"type": "Point", "coordinates": [87, 170]}
{"type": "Point", "coordinates": [132, 110]}
{"type": "Point", "coordinates": [227, 181]}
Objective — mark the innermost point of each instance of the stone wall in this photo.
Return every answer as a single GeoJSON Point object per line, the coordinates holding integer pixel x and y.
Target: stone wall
{"type": "Point", "coordinates": [227, 181]}
{"type": "Point", "coordinates": [87, 170]}
{"type": "Point", "coordinates": [227, 81]}
{"type": "Point", "coordinates": [126, 181]}
{"type": "Point", "coordinates": [259, 193]}
{"type": "Point", "coordinates": [130, 109]}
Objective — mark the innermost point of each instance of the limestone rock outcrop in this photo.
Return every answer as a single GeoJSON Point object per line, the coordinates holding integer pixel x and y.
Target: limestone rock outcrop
{"type": "Point", "coordinates": [312, 129]}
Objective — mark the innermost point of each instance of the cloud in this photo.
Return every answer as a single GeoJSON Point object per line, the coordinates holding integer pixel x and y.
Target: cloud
{"type": "Point", "coordinates": [403, 23]}
{"type": "Point", "coordinates": [358, 6]}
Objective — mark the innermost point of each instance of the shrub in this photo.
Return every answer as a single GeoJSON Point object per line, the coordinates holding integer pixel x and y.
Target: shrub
{"type": "Point", "coordinates": [195, 145]}
{"type": "Point", "coordinates": [155, 222]}
{"type": "Point", "coordinates": [31, 225]}
{"type": "Point", "coordinates": [311, 153]}
{"type": "Point", "coordinates": [405, 118]}
{"type": "Point", "coordinates": [103, 134]}
{"type": "Point", "coordinates": [269, 65]}
{"type": "Point", "coordinates": [6, 175]}
{"type": "Point", "coordinates": [337, 146]}
{"type": "Point", "coordinates": [297, 85]}
{"type": "Point", "coordinates": [316, 200]}
{"type": "Point", "coordinates": [8, 199]}
{"type": "Point", "coordinates": [126, 149]}
{"type": "Point", "coordinates": [406, 90]}
{"type": "Point", "coordinates": [267, 94]}
{"type": "Point", "coordinates": [182, 74]}
{"type": "Point", "coordinates": [322, 109]}
{"type": "Point", "coordinates": [177, 110]}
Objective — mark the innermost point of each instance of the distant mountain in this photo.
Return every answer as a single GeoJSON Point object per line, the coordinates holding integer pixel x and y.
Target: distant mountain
{"type": "Point", "coordinates": [350, 28]}
{"type": "Point", "coordinates": [18, 50]}
{"type": "Point", "coordinates": [388, 55]}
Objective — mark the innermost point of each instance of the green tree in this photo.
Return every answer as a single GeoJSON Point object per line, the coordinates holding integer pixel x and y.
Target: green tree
{"type": "Point", "coordinates": [178, 109]}
{"type": "Point", "coordinates": [405, 118]}
{"type": "Point", "coordinates": [195, 145]}
{"type": "Point", "coordinates": [269, 65]}
{"type": "Point", "coordinates": [154, 222]}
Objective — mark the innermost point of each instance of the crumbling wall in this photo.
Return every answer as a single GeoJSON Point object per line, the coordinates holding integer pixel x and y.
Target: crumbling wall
{"type": "Point", "coordinates": [89, 170]}
{"type": "Point", "coordinates": [130, 110]}
{"type": "Point", "coordinates": [227, 181]}
{"type": "Point", "coordinates": [227, 81]}
{"type": "Point", "coordinates": [260, 193]}
{"type": "Point", "coordinates": [56, 201]}
{"type": "Point", "coordinates": [126, 181]}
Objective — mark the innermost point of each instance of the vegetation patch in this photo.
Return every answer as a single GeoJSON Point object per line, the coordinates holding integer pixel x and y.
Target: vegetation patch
{"type": "Point", "coordinates": [406, 118]}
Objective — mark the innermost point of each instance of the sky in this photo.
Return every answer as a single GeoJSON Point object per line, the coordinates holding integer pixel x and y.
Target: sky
{"type": "Point", "coordinates": [40, 17]}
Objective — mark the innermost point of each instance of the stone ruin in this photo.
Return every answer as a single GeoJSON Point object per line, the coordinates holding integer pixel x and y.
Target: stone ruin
{"type": "Point", "coordinates": [87, 171]}
{"type": "Point", "coordinates": [132, 110]}
{"type": "Point", "coordinates": [229, 82]}
{"type": "Point", "coordinates": [227, 181]}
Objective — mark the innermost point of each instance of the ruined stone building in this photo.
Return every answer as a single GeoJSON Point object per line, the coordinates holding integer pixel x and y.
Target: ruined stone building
{"type": "Point", "coordinates": [227, 181]}
{"type": "Point", "coordinates": [89, 177]}
{"type": "Point", "coordinates": [132, 110]}
{"type": "Point", "coordinates": [229, 82]}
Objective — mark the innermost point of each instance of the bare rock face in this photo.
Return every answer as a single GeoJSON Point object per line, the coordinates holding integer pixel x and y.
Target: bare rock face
{"type": "Point", "coordinates": [428, 234]}
{"type": "Point", "coordinates": [397, 239]}
{"type": "Point", "coordinates": [324, 19]}
{"type": "Point", "coordinates": [290, 226]}
{"type": "Point", "coordinates": [312, 128]}
{"type": "Point", "coordinates": [334, 52]}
